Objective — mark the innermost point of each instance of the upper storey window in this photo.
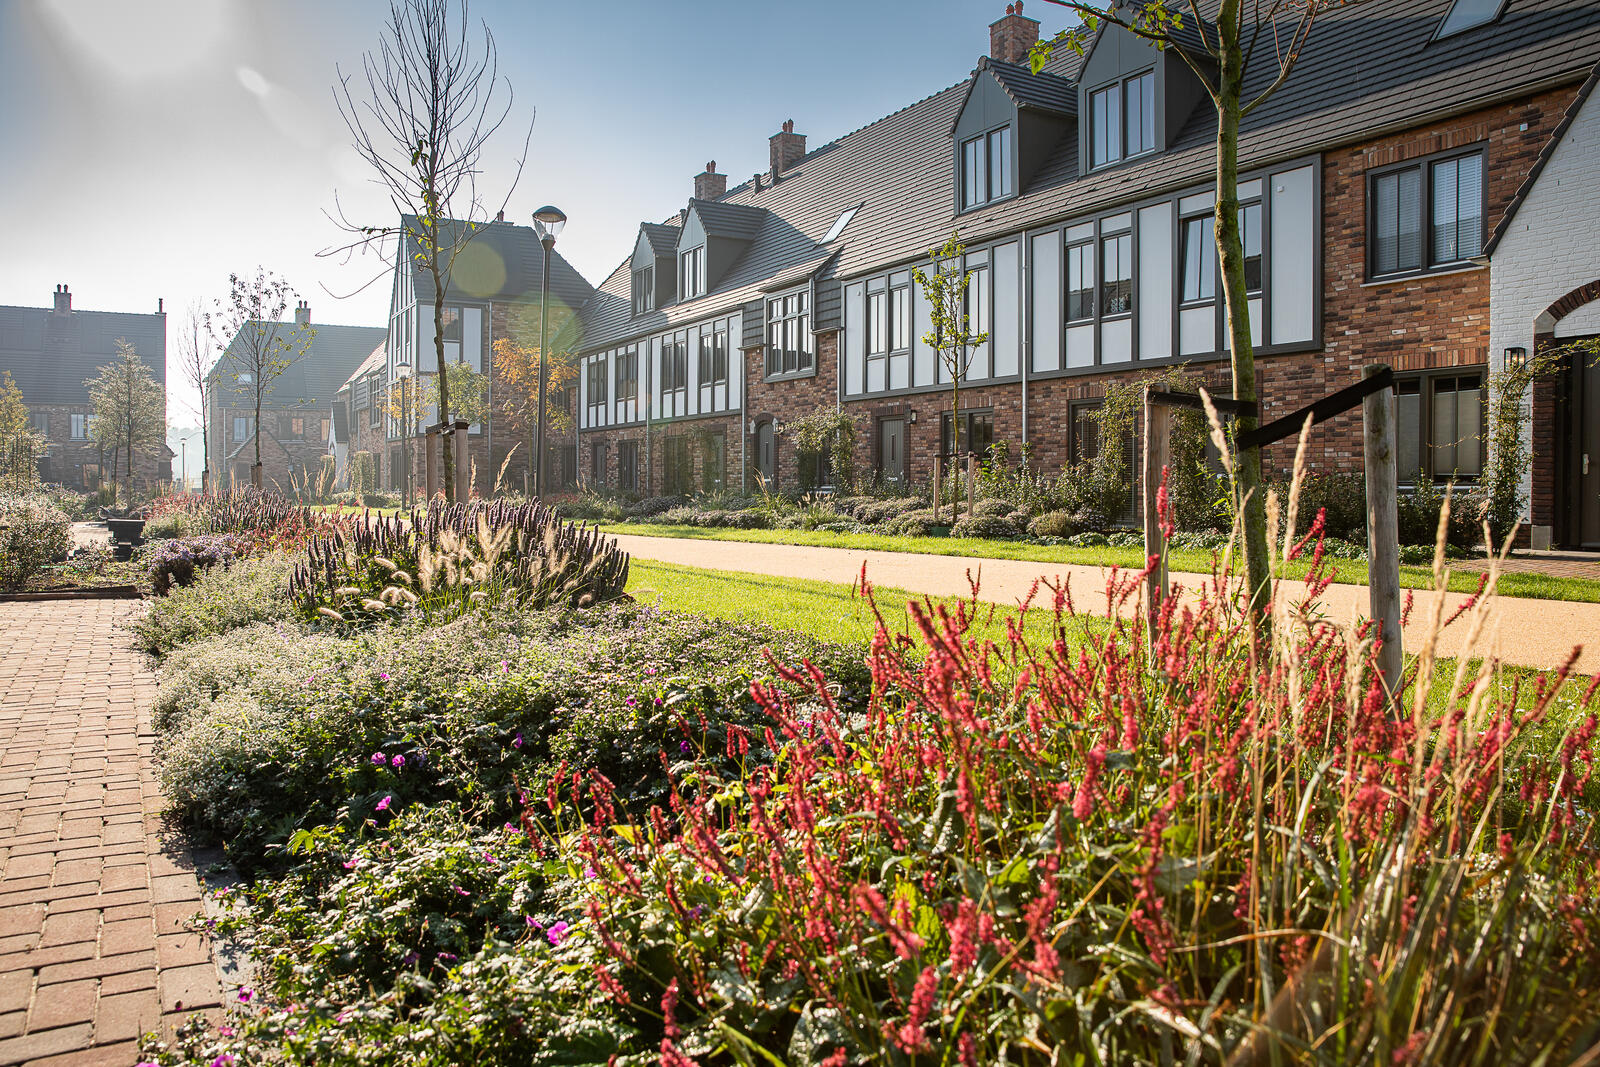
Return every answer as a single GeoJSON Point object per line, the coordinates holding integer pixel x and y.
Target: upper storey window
{"type": "Point", "coordinates": [1122, 119]}
{"type": "Point", "coordinates": [692, 273]}
{"type": "Point", "coordinates": [1425, 215]}
{"type": "Point", "coordinates": [789, 343]}
{"type": "Point", "coordinates": [986, 168]}
{"type": "Point", "coordinates": [644, 290]}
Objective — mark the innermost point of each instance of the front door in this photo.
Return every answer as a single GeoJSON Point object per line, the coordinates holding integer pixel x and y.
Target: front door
{"type": "Point", "coordinates": [1586, 442]}
{"type": "Point", "coordinates": [892, 451]}
{"type": "Point", "coordinates": [767, 455]}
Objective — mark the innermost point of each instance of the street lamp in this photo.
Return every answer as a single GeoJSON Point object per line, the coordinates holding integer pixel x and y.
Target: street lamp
{"type": "Point", "coordinates": [402, 372]}
{"type": "Point", "coordinates": [547, 222]}
{"type": "Point", "coordinates": [183, 464]}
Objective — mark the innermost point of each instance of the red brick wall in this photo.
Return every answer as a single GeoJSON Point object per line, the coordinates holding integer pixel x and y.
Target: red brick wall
{"type": "Point", "coordinates": [785, 400]}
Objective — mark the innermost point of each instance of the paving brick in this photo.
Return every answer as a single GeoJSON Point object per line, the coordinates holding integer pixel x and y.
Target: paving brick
{"type": "Point", "coordinates": [63, 1004]}
{"type": "Point", "coordinates": [175, 888]}
{"type": "Point", "coordinates": [31, 1046]}
{"type": "Point", "coordinates": [142, 978]}
{"type": "Point", "coordinates": [99, 1056]}
{"type": "Point", "coordinates": [22, 919]}
{"type": "Point", "coordinates": [127, 935]}
{"type": "Point", "coordinates": [98, 967]}
{"type": "Point", "coordinates": [181, 950]}
{"type": "Point", "coordinates": [124, 1016]}
{"type": "Point", "coordinates": [65, 928]}
{"type": "Point", "coordinates": [13, 1023]}
{"type": "Point", "coordinates": [16, 988]}
{"type": "Point", "coordinates": [189, 987]}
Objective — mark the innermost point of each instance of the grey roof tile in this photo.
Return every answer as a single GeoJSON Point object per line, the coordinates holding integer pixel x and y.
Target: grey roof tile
{"type": "Point", "coordinates": [314, 380]}
{"type": "Point", "coordinates": [50, 355]}
{"type": "Point", "coordinates": [663, 237]}
{"type": "Point", "coordinates": [1045, 91]}
{"type": "Point", "coordinates": [503, 262]}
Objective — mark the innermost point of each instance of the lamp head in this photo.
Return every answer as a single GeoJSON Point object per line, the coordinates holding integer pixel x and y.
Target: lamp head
{"type": "Point", "coordinates": [402, 369]}
{"type": "Point", "coordinates": [1516, 358]}
{"type": "Point", "coordinates": [547, 223]}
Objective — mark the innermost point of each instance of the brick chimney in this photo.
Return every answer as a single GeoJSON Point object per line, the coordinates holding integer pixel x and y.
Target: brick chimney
{"type": "Point", "coordinates": [788, 148]}
{"type": "Point", "coordinates": [709, 185]}
{"type": "Point", "coordinates": [302, 313]}
{"type": "Point", "coordinates": [1012, 37]}
{"type": "Point", "coordinates": [63, 299]}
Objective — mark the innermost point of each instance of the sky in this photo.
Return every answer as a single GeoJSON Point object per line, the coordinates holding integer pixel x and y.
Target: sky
{"type": "Point", "coordinates": [154, 147]}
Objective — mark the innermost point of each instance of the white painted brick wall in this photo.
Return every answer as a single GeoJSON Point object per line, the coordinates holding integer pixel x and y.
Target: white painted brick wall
{"type": "Point", "coordinates": [1553, 245]}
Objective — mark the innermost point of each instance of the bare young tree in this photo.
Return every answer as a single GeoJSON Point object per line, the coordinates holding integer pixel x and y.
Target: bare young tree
{"type": "Point", "coordinates": [431, 108]}
{"type": "Point", "coordinates": [195, 366]}
{"type": "Point", "coordinates": [1222, 52]}
{"type": "Point", "coordinates": [945, 286]}
{"type": "Point", "coordinates": [248, 330]}
{"type": "Point", "coordinates": [130, 411]}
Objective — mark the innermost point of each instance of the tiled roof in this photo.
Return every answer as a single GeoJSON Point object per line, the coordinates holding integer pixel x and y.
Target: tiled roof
{"type": "Point", "coordinates": [663, 237]}
{"type": "Point", "coordinates": [51, 354]}
{"type": "Point", "coordinates": [502, 262]}
{"type": "Point", "coordinates": [374, 362]}
{"type": "Point", "coordinates": [335, 352]}
{"type": "Point", "coordinates": [1045, 91]}
{"type": "Point", "coordinates": [723, 219]}
{"type": "Point", "coordinates": [1365, 69]}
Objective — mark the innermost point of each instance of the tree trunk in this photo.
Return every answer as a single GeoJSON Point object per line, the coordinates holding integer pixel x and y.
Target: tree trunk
{"type": "Point", "coordinates": [448, 437]}
{"type": "Point", "coordinates": [255, 435]}
{"type": "Point", "coordinates": [1230, 250]}
{"type": "Point", "coordinates": [955, 445]}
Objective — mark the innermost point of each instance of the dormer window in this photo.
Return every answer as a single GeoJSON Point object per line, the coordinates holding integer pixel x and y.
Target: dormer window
{"type": "Point", "coordinates": [644, 290]}
{"type": "Point", "coordinates": [692, 273]}
{"type": "Point", "coordinates": [1122, 119]}
{"type": "Point", "coordinates": [986, 168]}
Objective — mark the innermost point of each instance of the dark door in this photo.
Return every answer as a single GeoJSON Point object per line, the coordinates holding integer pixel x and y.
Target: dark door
{"type": "Point", "coordinates": [767, 455]}
{"type": "Point", "coordinates": [1587, 443]}
{"type": "Point", "coordinates": [892, 451]}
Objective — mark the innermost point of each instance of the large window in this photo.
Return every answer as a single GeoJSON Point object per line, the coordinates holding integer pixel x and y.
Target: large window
{"type": "Point", "coordinates": [80, 427]}
{"type": "Point", "coordinates": [597, 383]}
{"type": "Point", "coordinates": [627, 374]}
{"type": "Point", "coordinates": [789, 341]}
{"type": "Point", "coordinates": [1439, 427]}
{"type": "Point", "coordinates": [977, 433]}
{"type": "Point", "coordinates": [628, 466]}
{"type": "Point", "coordinates": [243, 427]}
{"type": "Point", "coordinates": [714, 357]}
{"type": "Point", "coordinates": [692, 273]}
{"type": "Point", "coordinates": [1425, 215]}
{"type": "Point", "coordinates": [674, 364]}
{"type": "Point", "coordinates": [1116, 274]}
{"type": "Point", "coordinates": [1122, 120]}
{"type": "Point", "coordinates": [644, 290]}
{"type": "Point", "coordinates": [41, 423]}
{"type": "Point", "coordinates": [986, 170]}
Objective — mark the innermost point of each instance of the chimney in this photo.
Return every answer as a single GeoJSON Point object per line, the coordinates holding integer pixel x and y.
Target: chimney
{"type": "Point", "coordinates": [302, 313]}
{"type": "Point", "coordinates": [1012, 37]}
{"type": "Point", "coordinates": [63, 299]}
{"type": "Point", "coordinates": [161, 305]}
{"type": "Point", "coordinates": [787, 149]}
{"type": "Point", "coordinates": [500, 216]}
{"type": "Point", "coordinates": [710, 185]}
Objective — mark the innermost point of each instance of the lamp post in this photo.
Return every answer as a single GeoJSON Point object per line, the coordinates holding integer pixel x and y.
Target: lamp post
{"type": "Point", "coordinates": [183, 464]}
{"type": "Point", "coordinates": [547, 222]}
{"type": "Point", "coordinates": [402, 372]}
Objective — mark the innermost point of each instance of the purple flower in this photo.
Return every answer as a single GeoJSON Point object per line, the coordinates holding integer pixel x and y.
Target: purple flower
{"type": "Point", "coordinates": [630, 702]}
{"type": "Point", "coordinates": [534, 924]}
{"type": "Point", "coordinates": [516, 742]}
{"type": "Point", "coordinates": [352, 863]}
{"type": "Point", "coordinates": [490, 857]}
{"type": "Point", "coordinates": [378, 760]}
{"type": "Point", "coordinates": [399, 762]}
{"type": "Point", "coordinates": [683, 746]}
{"type": "Point", "coordinates": [558, 931]}
{"type": "Point", "coordinates": [590, 872]}
{"type": "Point", "coordinates": [505, 665]}
{"type": "Point", "coordinates": [408, 959]}
{"type": "Point", "coordinates": [460, 893]}
{"type": "Point", "coordinates": [697, 911]}
{"type": "Point", "coordinates": [245, 994]}
{"type": "Point", "coordinates": [383, 677]}
{"type": "Point", "coordinates": [383, 805]}
{"type": "Point", "coordinates": [224, 1060]}
{"type": "Point", "coordinates": [447, 956]}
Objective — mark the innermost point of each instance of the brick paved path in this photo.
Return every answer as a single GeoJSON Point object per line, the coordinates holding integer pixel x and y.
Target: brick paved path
{"type": "Point", "coordinates": [93, 949]}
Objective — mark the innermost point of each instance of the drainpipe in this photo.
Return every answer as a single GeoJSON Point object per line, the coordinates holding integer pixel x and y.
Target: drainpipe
{"type": "Point", "coordinates": [1026, 294]}
{"type": "Point", "coordinates": [649, 402]}
{"type": "Point", "coordinates": [744, 400]}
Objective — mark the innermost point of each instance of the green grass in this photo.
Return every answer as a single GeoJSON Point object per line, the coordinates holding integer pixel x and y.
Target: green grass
{"type": "Point", "coordinates": [1352, 572]}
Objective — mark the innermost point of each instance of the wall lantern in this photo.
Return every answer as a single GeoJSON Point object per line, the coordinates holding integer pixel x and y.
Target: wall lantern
{"type": "Point", "coordinates": [913, 417]}
{"type": "Point", "coordinates": [1516, 358]}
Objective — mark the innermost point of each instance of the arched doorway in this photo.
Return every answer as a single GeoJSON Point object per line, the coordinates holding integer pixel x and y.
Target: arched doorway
{"type": "Point", "coordinates": [1572, 399]}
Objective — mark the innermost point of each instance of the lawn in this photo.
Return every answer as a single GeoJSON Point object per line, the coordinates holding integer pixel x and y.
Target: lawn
{"type": "Point", "coordinates": [1353, 572]}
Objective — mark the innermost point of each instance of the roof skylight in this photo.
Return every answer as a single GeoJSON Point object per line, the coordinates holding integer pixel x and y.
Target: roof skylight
{"type": "Point", "coordinates": [1467, 14]}
{"type": "Point", "coordinates": [839, 224]}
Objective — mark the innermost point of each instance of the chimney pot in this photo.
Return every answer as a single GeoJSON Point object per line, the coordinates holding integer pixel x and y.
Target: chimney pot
{"type": "Point", "coordinates": [63, 298]}
{"type": "Point", "coordinates": [302, 313]}
{"type": "Point", "coordinates": [500, 216]}
{"type": "Point", "coordinates": [709, 185]}
{"type": "Point", "coordinates": [786, 149]}
{"type": "Point", "coordinates": [1013, 36]}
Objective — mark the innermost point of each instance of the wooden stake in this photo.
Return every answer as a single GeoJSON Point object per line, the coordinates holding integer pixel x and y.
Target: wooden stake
{"type": "Point", "coordinates": [971, 483]}
{"type": "Point", "coordinates": [1157, 457]}
{"type": "Point", "coordinates": [938, 476]}
{"type": "Point", "coordinates": [1383, 527]}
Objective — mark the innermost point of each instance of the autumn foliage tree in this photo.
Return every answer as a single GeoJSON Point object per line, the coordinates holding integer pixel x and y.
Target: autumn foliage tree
{"type": "Point", "coordinates": [516, 366]}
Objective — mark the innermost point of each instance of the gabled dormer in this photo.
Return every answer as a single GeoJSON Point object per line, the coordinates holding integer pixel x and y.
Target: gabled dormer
{"type": "Point", "coordinates": [714, 236]}
{"type": "Point", "coordinates": [1010, 122]}
{"type": "Point", "coordinates": [1133, 98]}
{"type": "Point", "coordinates": [654, 254]}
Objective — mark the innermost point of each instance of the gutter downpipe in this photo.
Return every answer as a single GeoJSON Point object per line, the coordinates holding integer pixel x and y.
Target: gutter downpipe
{"type": "Point", "coordinates": [1026, 355]}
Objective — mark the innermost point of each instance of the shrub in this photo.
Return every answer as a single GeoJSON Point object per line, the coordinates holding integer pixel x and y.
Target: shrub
{"type": "Point", "coordinates": [653, 505]}
{"type": "Point", "coordinates": [1053, 524]}
{"type": "Point", "coordinates": [252, 590]}
{"type": "Point", "coordinates": [981, 525]}
{"type": "Point", "coordinates": [1419, 512]}
{"type": "Point", "coordinates": [33, 534]}
{"type": "Point", "coordinates": [1342, 498]}
{"type": "Point", "coordinates": [177, 562]}
{"type": "Point", "coordinates": [911, 524]}
{"type": "Point", "coordinates": [170, 524]}
{"type": "Point", "coordinates": [363, 473]}
{"type": "Point", "coordinates": [992, 508]}
{"type": "Point", "coordinates": [456, 556]}
{"type": "Point", "coordinates": [874, 512]}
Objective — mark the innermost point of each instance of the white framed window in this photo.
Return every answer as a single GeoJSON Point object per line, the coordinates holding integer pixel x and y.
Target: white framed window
{"type": "Point", "coordinates": [714, 357]}
{"type": "Point", "coordinates": [1122, 119]}
{"type": "Point", "coordinates": [80, 426]}
{"type": "Point", "coordinates": [644, 290]}
{"type": "Point", "coordinates": [790, 347]}
{"type": "Point", "coordinates": [692, 273]}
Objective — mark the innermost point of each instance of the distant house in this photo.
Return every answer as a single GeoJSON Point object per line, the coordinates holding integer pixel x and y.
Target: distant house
{"type": "Point", "coordinates": [494, 293]}
{"type": "Point", "coordinates": [294, 410]}
{"type": "Point", "coordinates": [50, 353]}
{"type": "Point", "coordinates": [357, 418]}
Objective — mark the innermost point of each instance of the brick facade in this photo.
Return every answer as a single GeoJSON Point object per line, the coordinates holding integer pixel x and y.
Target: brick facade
{"type": "Point", "coordinates": [78, 463]}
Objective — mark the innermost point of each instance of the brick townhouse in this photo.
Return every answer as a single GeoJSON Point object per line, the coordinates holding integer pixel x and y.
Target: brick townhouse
{"type": "Point", "coordinates": [294, 407]}
{"type": "Point", "coordinates": [493, 293]}
{"type": "Point", "coordinates": [50, 353]}
{"type": "Point", "coordinates": [1369, 186]}
{"type": "Point", "coordinates": [355, 423]}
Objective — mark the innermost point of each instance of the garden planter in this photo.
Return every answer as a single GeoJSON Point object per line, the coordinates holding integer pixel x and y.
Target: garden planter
{"type": "Point", "coordinates": [127, 534]}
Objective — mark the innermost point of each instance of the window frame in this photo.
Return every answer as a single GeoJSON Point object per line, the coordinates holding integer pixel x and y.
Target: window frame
{"type": "Point", "coordinates": [692, 269]}
{"type": "Point", "coordinates": [789, 323]}
{"type": "Point", "coordinates": [596, 374]}
{"type": "Point", "coordinates": [79, 426]}
{"type": "Point", "coordinates": [1424, 166]}
{"type": "Point", "coordinates": [998, 143]}
{"type": "Point", "coordinates": [968, 416]}
{"type": "Point", "coordinates": [599, 455]}
{"type": "Point", "coordinates": [644, 290]}
{"type": "Point", "coordinates": [1103, 241]}
{"type": "Point", "coordinates": [628, 466]}
{"type": "Point", "coordinates": [1208, 241]}
{"type": "Point", "coordinates": [1426, 382]}
{"type": "Point", "coordinates": [713, 357]}
{"type": "Point", "coordinates": [1116, 93]}
{"type": "Point", "coordinates": [674, 363]}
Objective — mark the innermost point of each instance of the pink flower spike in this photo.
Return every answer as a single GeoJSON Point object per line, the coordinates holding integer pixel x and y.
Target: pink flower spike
{"type": "Point", "coordinates": [383, 805]}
